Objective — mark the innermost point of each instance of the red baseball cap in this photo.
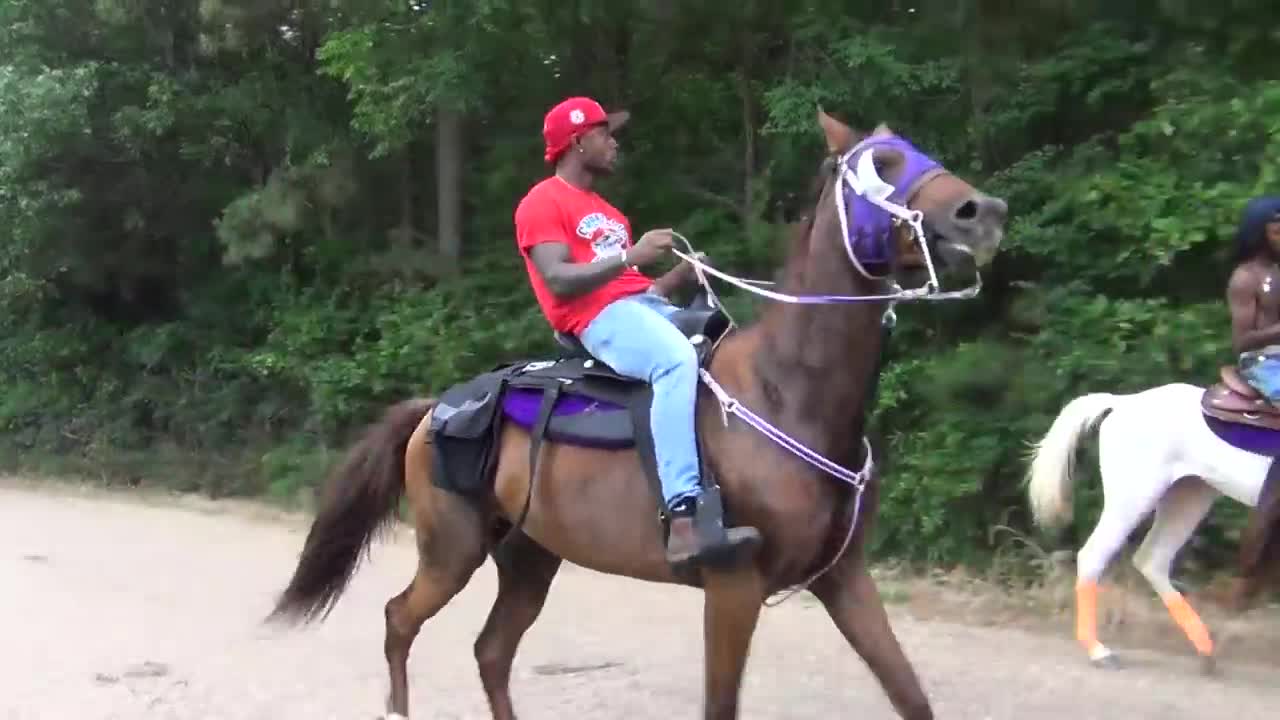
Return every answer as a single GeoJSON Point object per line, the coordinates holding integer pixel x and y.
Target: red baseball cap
{"type": "Point", "coordinates": [573, 117]}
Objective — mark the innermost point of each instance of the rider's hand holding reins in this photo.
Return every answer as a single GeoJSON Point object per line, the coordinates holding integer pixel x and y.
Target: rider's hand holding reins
{"type": "Point", "coordinates": [650, 247]}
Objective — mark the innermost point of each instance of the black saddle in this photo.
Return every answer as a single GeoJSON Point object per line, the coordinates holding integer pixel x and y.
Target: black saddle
{"type": "Point", "coordinates": [698, 321]}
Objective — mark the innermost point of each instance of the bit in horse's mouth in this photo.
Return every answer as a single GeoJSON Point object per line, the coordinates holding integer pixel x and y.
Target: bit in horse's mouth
{"type": "Point", "coordinates": [943, 242]}
{"type": "Point", "coordinates": [955, 257]}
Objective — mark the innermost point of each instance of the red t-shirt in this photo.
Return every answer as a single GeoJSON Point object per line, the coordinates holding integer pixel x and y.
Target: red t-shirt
{"type": "Point", "coordinates": [555, 211]}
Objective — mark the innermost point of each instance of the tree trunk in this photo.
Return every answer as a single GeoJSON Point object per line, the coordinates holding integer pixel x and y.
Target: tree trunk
{"type": "Point", "coordinates": [972, 23]}
{"type": "Point", "coordinates": [748, 124]}
{"type": "Point", "coordinates": [404, 233]}
{"type": "Point", "coordinates": [450, 139]}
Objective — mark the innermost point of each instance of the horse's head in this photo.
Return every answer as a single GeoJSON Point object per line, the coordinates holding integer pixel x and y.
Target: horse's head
{"type": "Point", "coordinates": [963, 226]}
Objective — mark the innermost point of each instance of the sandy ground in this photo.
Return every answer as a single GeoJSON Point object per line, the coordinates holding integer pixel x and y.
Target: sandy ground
{"type": "Point", "coordinates": [127, 607]}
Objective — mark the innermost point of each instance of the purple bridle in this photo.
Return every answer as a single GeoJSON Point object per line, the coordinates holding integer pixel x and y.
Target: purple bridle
{"type": "Point", "coordinates": [869, 209]}
{"type": "Point", "coordinates": [868, 225]}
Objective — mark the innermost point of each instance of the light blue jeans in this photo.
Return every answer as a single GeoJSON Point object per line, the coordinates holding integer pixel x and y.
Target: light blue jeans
{"type": "Point", "coordinates": [1261, 369]}
{"type": "Point", "coordinates": [633, 336]}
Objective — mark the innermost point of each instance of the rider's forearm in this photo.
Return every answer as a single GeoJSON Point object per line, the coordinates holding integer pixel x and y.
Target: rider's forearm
{"type": "Point", "coordinates": [570, 280]}
{"type": "Point", "coordinates": [671, 281]}
{"type": "Point", "coordinates": [1257, 339]}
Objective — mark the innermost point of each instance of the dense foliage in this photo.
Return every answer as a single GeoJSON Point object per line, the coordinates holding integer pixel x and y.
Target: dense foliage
{"type": "Point", "coordinates": [232, 230]}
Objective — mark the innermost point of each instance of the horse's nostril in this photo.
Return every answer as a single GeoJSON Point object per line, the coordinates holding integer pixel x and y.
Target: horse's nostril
{"type": "Point", "coordinates": [968, 210]}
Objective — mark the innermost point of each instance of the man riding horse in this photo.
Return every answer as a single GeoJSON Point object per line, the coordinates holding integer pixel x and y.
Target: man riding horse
{"type": "Point", "coordinates": [584, 271]}
{"type": "Point", "coordinates": [790, 452]}
{"type": "Point", "coordinates": [1253, 294]}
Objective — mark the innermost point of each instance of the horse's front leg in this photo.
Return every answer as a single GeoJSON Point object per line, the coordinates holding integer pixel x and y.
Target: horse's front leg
{"type": "Point", "coordinates": [733, 600]}
{"type": "Point", "coordinates": [850, 596]}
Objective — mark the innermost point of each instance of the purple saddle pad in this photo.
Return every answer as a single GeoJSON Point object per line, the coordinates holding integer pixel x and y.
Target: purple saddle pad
{"type": "Point", "coordinates": [1249, 438]}
{"type": "Point", "coordinates": [575, 419]}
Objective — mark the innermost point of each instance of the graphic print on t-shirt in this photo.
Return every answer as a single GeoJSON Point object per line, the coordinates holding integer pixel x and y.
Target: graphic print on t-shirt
{"type": "Point", "coordinates": [608, 237]}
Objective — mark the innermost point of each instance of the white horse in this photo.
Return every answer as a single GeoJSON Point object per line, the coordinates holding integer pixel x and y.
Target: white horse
{"type": "Point", "coordinates": [1155, 452]}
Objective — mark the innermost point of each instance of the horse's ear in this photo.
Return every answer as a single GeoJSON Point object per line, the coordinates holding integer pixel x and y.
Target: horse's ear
{"type": "Point", "coordinates": [882, 130]}
{"type": "Point", "coordinates": [839, 136]}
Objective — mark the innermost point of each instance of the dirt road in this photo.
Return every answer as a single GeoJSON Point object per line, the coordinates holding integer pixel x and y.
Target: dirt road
{"type": "Point", "coordinates": [114, 608]}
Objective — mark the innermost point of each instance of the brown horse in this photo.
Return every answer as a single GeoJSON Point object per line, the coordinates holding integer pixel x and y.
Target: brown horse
{"type": "Point", "coordinates": [806, 367]}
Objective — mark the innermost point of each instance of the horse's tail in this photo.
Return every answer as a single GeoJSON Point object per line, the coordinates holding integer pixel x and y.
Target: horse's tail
{"type": "Point", "coordinates": [359, 500]}
{"type": "Point", "coordinates": [1053, 458]}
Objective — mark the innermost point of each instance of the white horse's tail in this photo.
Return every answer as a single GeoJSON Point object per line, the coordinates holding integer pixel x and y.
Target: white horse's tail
{"type": "Point", "coordinates": [1053, 458]}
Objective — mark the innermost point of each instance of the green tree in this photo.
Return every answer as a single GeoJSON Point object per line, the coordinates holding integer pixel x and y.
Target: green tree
{"type": "Point", "coordinates": [232, 230]}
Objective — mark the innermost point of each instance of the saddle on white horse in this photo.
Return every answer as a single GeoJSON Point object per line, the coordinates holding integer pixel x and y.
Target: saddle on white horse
{"type": "Point", "coordinates": [1234, 400]}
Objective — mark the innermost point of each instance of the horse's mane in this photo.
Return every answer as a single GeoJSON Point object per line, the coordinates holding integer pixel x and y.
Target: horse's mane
{"type": "Point", "coordinates": [792, 271]}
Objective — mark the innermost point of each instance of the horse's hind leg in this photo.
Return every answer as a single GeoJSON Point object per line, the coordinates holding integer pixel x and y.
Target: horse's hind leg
{"type": "Point", "coordinates": [450, 540]}
{"type": "Point", "coordinates": [1108, 536]}
{"type": "Point", "coordinates": [459, 542]}
{"type": "Point", "coordinates": [849, 594]}
{"type": "Point", "coordinates": [525, 573]}
{"type": "Point", "coordinates": [1130, 489]}
{"type": "Point", "coordinates": [1177, 515]}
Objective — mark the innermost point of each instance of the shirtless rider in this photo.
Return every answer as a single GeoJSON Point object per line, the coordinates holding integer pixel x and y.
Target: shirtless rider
{"type": "Point", "coordinates": [1253, 294]}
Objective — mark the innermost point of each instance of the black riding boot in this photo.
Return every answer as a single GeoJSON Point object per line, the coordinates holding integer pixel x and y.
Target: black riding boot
{"type": "Point", "coordinates": [698, 535]}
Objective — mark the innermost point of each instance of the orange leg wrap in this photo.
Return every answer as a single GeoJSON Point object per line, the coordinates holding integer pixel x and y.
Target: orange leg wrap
{"type": "Point", "coordinates": [1087, 616]}
{"type": "Point", "coordinates": [1190, 623]}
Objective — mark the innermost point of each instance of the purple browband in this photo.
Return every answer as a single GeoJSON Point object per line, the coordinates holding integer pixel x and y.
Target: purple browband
{"type": "Point", "coordinates": [870, 226]}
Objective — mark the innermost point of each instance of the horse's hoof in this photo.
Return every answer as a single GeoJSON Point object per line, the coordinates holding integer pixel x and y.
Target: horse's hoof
{"type": "Point", "coordinates": [1107, 662]}
{"type": "Point", "coordinates": [1209, 666]}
